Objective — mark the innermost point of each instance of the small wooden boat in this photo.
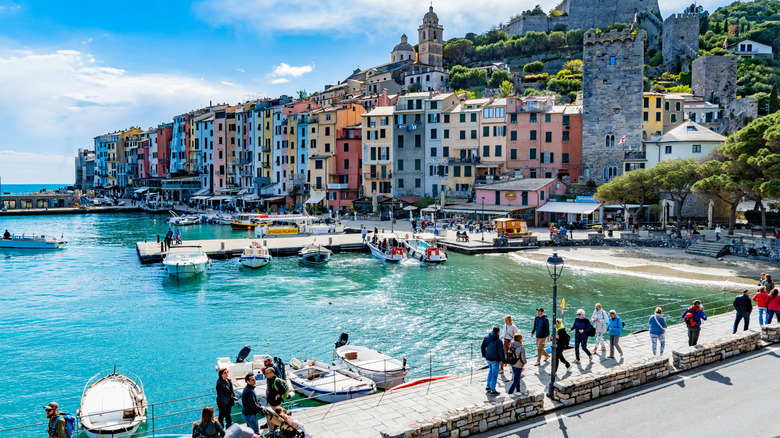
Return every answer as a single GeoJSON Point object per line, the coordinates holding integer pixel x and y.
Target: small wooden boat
{"type": "Point", "coordinates": [112, 406]}
{"type": "Point", "coordinates": [384, 370]}
{"type": "Point", "coordinates": [326, 383]}
{"type": "Point", "coordinates": [186, 261]}
{"type": "Point", "coordinates": [424, 247]}
{"type": "Point", "coordinates": [314, 255]}
{"type": "Point", "coordinates": [255, 256]}
{"type": "Point", "coordinates": [31, 241]}
{"type": "Point", "coordinates": [418, 382]}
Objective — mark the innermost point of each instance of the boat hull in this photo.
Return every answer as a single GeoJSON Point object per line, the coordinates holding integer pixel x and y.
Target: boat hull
{"type": "Point", "coordinates": [31, 243]}
{"type": "Point", "coordinates": [314, 257]}
{"type": "Point", "coordinates": [394, 256]}
{"type": "Point", "coordinates": [185, 270]}
{"type": "Point", "coordinates": [254, 262]}
{"type": "Point", "coordinates": [328, 384]}
{"type": "Point", "coordinates": [114, 406]}
{"type": "Point", "coordinates": [384, 370]}
{"type": "Point", "coordinates": [420, 253]}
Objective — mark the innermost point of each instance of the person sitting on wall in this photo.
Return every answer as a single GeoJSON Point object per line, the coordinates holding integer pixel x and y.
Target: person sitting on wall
{"type": "Point", "coordinates": [6, 235]}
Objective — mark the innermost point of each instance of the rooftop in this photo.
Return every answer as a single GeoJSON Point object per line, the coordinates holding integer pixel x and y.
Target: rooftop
{"type": "Point", "coordinates": [524, 184]}
{"type": "Point", "coordinates": [690, 131]}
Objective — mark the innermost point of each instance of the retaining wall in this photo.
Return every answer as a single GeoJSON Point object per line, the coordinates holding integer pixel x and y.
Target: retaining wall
{"type": "Point", "coordinates": [770, 333]}
{"type": "Point", "coordinates": [591, 386]}
{"type": "Point", "coordinates": [687, 358]}
{"type": "Point", "coordinates": [475, 419]}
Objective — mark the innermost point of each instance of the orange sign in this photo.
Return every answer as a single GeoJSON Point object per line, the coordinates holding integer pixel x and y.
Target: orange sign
{"type": "Point", "coordinates": [278, 231]}
{"type": "Point", "coordinates": [510, 195]}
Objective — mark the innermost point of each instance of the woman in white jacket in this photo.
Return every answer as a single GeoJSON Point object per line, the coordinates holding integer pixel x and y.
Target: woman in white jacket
{"type": "Point", "coordinates": [507, 335]}
{"type": "Point", "coordinates": [600, 319]}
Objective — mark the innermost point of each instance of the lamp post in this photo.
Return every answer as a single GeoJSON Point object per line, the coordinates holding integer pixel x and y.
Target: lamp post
{"type": "Point", "coordinates": [483, 218]}
{"type": "Point", "coordinates": [554, 268]}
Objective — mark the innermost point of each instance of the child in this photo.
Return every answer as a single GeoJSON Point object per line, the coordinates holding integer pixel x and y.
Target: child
{"type": "Point", "coordinates": [289, 420]}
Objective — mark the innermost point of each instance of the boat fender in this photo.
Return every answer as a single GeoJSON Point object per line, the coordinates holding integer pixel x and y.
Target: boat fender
{"type": "Point", "coordinates": [407, 235]}
{"type": "Point", "coordinates": [444, 247]}
{"type": "Point", "coordinates": [404, 363]}
{"type": "Point", "coordinates": [243, 354]}
{"type": "Point", "coordinates": [421, 257]}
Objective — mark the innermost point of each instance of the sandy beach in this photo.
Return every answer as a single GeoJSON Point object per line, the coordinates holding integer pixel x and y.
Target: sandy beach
{"type": "Point", "coordinates": [673, 264]}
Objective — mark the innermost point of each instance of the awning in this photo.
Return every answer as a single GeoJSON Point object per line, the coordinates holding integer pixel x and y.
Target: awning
{"type": "Point", "coordinates": [243, 191]}
{"type": "Point", "coordinates": [569, 207]}
{"type": "Point", "coordinates": [410, 208]}
{"type": "Point", "coordinates": [220, 198]}
{"type": "Point", "coordinates": [274, 198]}
{"type": "Point", "coordinates": [201, 192]}
{"type": "Point", "coordinates": [315, 199]}
{"type": "Point", "coordinates": [488, 208]}
{"type": "Point", "coordinates": [490, 165]}
{"type": "Point", "coordinates": [199, 198]}
{"type": "Point", "coordinates": [250, 198]}
{"type": "Point", "coordinates": [141, 190]}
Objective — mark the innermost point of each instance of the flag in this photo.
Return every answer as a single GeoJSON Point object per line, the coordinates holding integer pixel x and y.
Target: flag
{"type": "Point", "coordinates": [633, 23]}
{"type": "Point", "coordinates": [725, 41]}
{"type": "Point", "coordinates": [563, 303]}
{"type": "Point", "coordinates": [622, 140]}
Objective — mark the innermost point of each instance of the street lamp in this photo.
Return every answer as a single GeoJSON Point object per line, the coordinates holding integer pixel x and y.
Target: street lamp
{"type": "Point", "coordinates": [554, 268]}
{"type": "Point", "coordinates": [483, 219]}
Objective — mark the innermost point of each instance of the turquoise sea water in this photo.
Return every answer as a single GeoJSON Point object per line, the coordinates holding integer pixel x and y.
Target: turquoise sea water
{"type": "Point", "coordinates": [26, 189]}
{"type": "Point", "coordinates": [70, 314]}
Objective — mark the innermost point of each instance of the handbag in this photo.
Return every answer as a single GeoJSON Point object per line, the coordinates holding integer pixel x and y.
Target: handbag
{"type": "Point", "coordinates": [592, 331]}
{"type": "Point", "coordinates": [659, 324]}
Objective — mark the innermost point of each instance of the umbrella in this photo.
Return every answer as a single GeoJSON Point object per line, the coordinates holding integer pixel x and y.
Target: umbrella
{"type": "Point", "coordinates": [429, 209]}
{"type": "Point", "coordinates": [410, 208]}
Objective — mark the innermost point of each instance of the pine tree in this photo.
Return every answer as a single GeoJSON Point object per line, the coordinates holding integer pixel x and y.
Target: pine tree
{"type": "Point", "coordinates": [774, 105]}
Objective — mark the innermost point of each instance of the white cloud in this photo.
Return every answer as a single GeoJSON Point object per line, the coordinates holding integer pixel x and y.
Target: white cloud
{"type": "Point", "coordinates": [16, 168]}
{"type": "Point", "coordinates": [279, 81]}
{"type": "Point", "coordinates": [284, 69]}
{"type": "Point", "coordinates": [241, 70]}
{"type": "Point", "coordinates": [57, 102]}
{"type": "Point", "coordinates": [230, 84]}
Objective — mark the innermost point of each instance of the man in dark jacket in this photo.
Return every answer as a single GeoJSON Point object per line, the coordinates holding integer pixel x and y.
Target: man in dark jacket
{"type": "Point", "coordinates": [225, 398]}
{"type": "Point", "coordinates": [744, 305]}
{"type": "Point", "coordinates": [696, 316]}
{"type": "Point", "coordinates": [57, 425]}
{"type": "Point", "coordinates": [493, 352]}
{"type": "Point", "coordinates": [250, 406]}
{"type": "Point", "coordinates": [581, 328]}
{"type": "Point", "coordinates": [542, 331]}
{"type": "Point", "coordinates": [275, 388]}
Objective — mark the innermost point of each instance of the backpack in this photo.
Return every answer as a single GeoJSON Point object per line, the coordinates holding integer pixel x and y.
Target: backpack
{"type": "Point", "coordinates": [70, 424]}
{"type": "Point", "coordinates": [563, 338]}
{"type": "Point", "coordinates": [511, 358]}
{"type": "Point", "coordinates": [688, 318]}
{"type": "Point", "coordinates": [284, 390]}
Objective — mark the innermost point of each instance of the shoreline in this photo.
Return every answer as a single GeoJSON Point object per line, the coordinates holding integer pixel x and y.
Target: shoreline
{"type": "Point", "coordinates": [729, 272]}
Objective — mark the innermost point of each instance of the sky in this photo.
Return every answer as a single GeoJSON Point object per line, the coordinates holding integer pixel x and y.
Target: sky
{"type": "Point", "coordinates": [70, 71]}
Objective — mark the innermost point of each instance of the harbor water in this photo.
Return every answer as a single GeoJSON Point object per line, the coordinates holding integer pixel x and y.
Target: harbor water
{"type": "Point", "coordinates": [70, 314]}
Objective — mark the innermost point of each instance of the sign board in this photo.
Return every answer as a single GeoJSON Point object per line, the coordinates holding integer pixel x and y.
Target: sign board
{"type": "Point", "coordinates": [585, 199]}
{"type": "Point", "coordinates": [280, 231]}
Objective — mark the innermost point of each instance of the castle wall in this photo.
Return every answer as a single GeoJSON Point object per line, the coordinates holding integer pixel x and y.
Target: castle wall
{"type": "Point", "coordinates": [680, 41]}
{"type": "Point", "coordinates": [586, 14]}
{"type": "Point", "coordinates": [612, 100]}
{"type": "Point", "coordinates": [715, 78]}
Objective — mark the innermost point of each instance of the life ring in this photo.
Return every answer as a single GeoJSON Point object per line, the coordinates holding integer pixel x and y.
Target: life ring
{"type": "Point", "coordinates": [421, 257]}
{"type": "Point", "coordinates": [407, 235]}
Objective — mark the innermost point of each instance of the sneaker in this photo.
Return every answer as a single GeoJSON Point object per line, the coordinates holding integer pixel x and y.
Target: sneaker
{"type": "Point", "coordinates": [567, 367]}
{"type": "Point", "coordinates": [495, 393]}
{"type": "Point", "coordinates": [537, 364]}
{"type": "Point", "coordinates": [603, 348]}
{"type": "Point", "coordinates": [610, 357]}
{"type": "Point", "coordinates": [546, 358]}
{"type": "Point", "coordinates": [590, 358]}
{"type": "Point", "coordinates": [487, 388]}
{"type": "Point", "coordinates": [577, 361]}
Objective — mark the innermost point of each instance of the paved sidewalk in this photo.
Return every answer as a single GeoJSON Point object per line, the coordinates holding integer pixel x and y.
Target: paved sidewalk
{"type": "Point", "coordinates": [368, 416]}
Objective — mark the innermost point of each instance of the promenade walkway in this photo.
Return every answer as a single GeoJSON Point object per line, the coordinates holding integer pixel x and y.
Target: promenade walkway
{"type": "Point", "coordinates": [395, 410]}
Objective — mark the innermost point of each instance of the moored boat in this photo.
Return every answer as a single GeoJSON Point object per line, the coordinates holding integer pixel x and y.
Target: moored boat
{"type": "Point", "coordinates": [384, 370]}
{"type": "Point", "coordinates": [186, 261]}
{"type": "Point", "coordinates": [255, 256]}
{"type": "Point", "coordinates": [238, 370]}
{"type": "Point", "coordinates": [314, 254]}
{"type": "Point", "coordinates": [31, 241]}
{"type": "Point", "coordinates": [386, 249]}
{"type": "Point", "coordinates": [424, 247]}
{"type": "Point", "coordinates": [112, 406]}
{"type": "Point", "coordinates": [326, 383]}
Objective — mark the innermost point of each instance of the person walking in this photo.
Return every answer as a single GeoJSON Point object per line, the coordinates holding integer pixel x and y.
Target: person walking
{"type": "Point", "coordinates": [762, 281]}
{"type": "Point", "coordinates": [207, 427]}
{"type": "Point", "coordinates": [769, 284]}
{"type": "Point", "coordinates": [493, 352]}
{"type": "Point", "coordinates": [773, 306]}
{"type": "Point", "coordinates": [562, 340]}
{"type": "Point", "coordinates": [364, 233]}
{"type": "Point", "coordinates": [717, 233]}
{"type": "Point", "coordinates": [693, 317]}
{"type": "Point", "coordinates": [743, 305]}
{"type": "Point", "coordinates": [658, 330]}
{"type": "Point", "coordinates": [250, 407]}
{"type": "Point", "coordinates": [542, 330]}
{"type": "Point", "coordinates": [599, 318]}
{"type": "Point", "coordinates": [516, 347]}
{"type": "Point", "coordinates": [615, 329]}
{"type": "Point", "coordinates": [508, 333]}
{"type": "Point", "coordinates": [57, 425]}
{"type": "Point", "coordinates": [581, 328]}
{"type": "Point", "coordinates": [760, 298]}
{"type": "Point", "coordinates": [226, 398]}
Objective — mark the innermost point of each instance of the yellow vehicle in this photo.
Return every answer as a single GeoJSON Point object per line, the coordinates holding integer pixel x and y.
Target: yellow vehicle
{"type": "Point", "coordinates": [512, 227]}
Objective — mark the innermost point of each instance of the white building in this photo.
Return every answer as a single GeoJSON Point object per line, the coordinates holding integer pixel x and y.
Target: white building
{"type": "Point", "coordinates": [689, 140]}
{"type": "Point", "coordinates": [702, 112]}
{"type": "Point", "coordinates": [750, 48]}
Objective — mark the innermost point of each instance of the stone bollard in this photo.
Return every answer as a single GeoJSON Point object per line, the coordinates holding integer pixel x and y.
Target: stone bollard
{"type": "Point", "coordinates": [265, 243]}
{"type": "Point", "coordinates": [330, 241]}
{"type": "Point", "coordinates": [222, 246]}
{"type": "Point", "coordinates": [158, 238]}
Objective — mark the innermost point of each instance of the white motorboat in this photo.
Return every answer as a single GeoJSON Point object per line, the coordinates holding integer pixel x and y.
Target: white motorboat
{"type": "Point", "coordinates": [31, 241]}
{"type": "Point", "coordinates": [255, 256]}
{"type": "Point", "coordinates": [186, 261]}
{"type": "Point", "coordinates": [185, 220]}
{"type": "Point", "coordinates": [314, 255]}
{"type": "Point", "coordinates": [112, 406]}
{"type": "Point", "coordinates": [384, 370]}
{"type": "Point", "coordinates": [238, 370]}
{"type": "Point", "coordinates": [390, 253]}
{"type": "Point", "coordinates": [326, 383]}
{"type": "Point", "coordinates": [424, 247]}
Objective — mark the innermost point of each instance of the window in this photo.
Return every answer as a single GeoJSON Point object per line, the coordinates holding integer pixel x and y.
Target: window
{"type": "Point", "coordinates": [611, 60]}
{"type": "Point", "coordinates": [609, 141]}
{"type": "Point", "coordinates": [564, 158]}
{"type": "Point", "coordinates": [462, 134]}
{"type": "Point", "coordinates": [318, 164]}
{"type": "Point", "coordinates": [467, 171]}
{"type": "Point", "coordinates": [381, 133]}
{"type": "Point", "coordinates": [456, 171]}
{"type": "Point", "coordinates": [533, 134]}
{"type": "Point", "coordinates": [400, 183]}
{"type": "Point", "coordinates": [417, 182]}
{"type": "Point", "coordinates": [513, 135]}
{"type": "Point", "coordinates": [485, 151]}
{"type": "Point", "coordinates": [433, 133]}
{"type": "Point", "coordinates": [462, 118]}
{"type": "Point", "coordinates": [674, 118]}
{"type": "Point", "coordinates": [677, 106]}
{"type": "Point", "coordinates": [400, 141]}
{"type": "Point", "coordinates": [373, 154]}
{"type": "Point", "coordinates": [532, 153]}
{"type": "Point", "coordinates": [487, 113]}
{"type": "Point", "coordinates": [696, 149]}
{"type": "Point", "coordinates": [445, 151]}
{"type": "Point", "coordinates": [565, 136]}
{"type": "Point", "coordinates": [548, 137]}
{"type": "Point", "coordinates": [667, 149]}
{"type": "Point", "coordinates": [417, 164]}
{"type": "Point", "coordinates": [500, 111]}
{"type": "Point", "coordinates": [433, 118]}
{"type": "Point", "coordinates": [532, 118]}
{"type": "Point", "coordinates": [610, 172]}
{"type": "Point", "coordinates": [486, 131]}
{"type": "Point", "coordinates": [446, 133]}
{"type": "Point", "coordinates": [346, 164]}
{"type": "Point", "coordinates": [658, 103]}
{"type": "Point", "coordinates": [383, 121]}
{"type": "Point", "coordinates": [400, 165]}
{"type": "Point", "coordinates": [473, 134]}
{"type": "Point", "coordinates": [433, 152]}
{"type": "Point", "coordinates": [646, 102]}
{"type": "Point", "coordinates": [498, 151]}
{"type": "Point", "coordinates": [547, 118]}
{"type": "Point", "coordinates": [657, 117]}
{"type": "Point", "coordinates": [513, 118]}
{"type": "Point", "coordinates": [473, 117]}
{"type": "Point", "coordinates": [548, 157]}
{"type": "Point", "coordinates": [499, 131]}
{"type": "Point", "coordinates": [418, 141]}
{"type": "Point", "coordinates": [327, 147]}
{"type": "Point", "coordinates": [446, 118]}
{"type": "Point", "coordinates": [434, 104]}
{"type": "Point", "coordinates": [666, 106]}
{"type": "Point", "coordinates": [513, 154]}
{"type": "Point", "coordinates": [645, 116]}
{"type": "Point", "coordinates": [541, 195]}
{"type": "Point", "coordinates": [346, 147]}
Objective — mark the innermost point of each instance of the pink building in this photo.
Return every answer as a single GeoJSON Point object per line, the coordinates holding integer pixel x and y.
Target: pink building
{"type": "Point", "coordinates": [163, 150]}
{"type": "Point", "coordinates": [348, 179]}
{"type": "Point", "coordinates": [526, 194]}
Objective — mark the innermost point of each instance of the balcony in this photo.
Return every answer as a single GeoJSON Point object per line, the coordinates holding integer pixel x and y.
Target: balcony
{"type": "Point", "coordinates": [474, 160]}
{"type": "Point", "coordinates": [635, 156]}
{"type": "Point", "coordinates": [266, 149]}
{"type": "Point", "coordinates": [405, 107]}
{"type": "Point", "coordinates": [338, 186]}
{"type": "Point", "coordinates": [378, 175]}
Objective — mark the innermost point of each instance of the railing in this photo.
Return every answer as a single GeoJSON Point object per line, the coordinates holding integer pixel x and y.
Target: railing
{"type": "Point", "coordinates": [635, 155]}
{"type": "Point", "coordinates": [473, 160]}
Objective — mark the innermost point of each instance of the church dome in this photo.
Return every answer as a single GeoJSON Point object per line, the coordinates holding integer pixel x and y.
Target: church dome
{"type": "Point", "coordinates": [403, 46]}
{"type": "Point", "coordinates": [431, 16]}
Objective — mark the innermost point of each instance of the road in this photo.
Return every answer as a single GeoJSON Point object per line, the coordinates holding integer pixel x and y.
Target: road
{"type": "Point", "coordinates": [734, 398]}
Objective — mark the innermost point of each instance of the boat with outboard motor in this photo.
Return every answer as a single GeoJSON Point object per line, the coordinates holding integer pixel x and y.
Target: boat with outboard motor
{"type": "Point", "coordinates": [239, 369]}
{"type": "Point", "coordinates": [384, 370]}
{"type": "Point", "coordinates": [327, 383]}
{"type": "Point", "coordinates": [255, 256]}
{"type": "Point", "coordinates": [31, 241]}
{"type": "Point", "coordinates": [385, 247]}
{"type": "Point", "coordinates": [424, 247]}
{"type": "Point", "coordinates": [186, 261]}
{"type": "Point", "coordinates": [112, 406]}
{"type": "Point", "coordinates": [314, 255]}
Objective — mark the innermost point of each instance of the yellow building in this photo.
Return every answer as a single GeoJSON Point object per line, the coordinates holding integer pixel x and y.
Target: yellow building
{"type": "Point", "coordinates": [492, 151]}
{"type": "Point", "coordinates": [377, 154]}
{"type": "Point", "coordinates": [460, 143]}
{"type": "Point", "coordinates": [661, 113]}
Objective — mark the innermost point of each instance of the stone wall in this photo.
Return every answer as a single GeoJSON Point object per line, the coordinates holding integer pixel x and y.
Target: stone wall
{"type": "Point", "coordinates": [715, 78]}
{"type": "Point", "coordinates": [742, 246]}
{"type": "Point", "coordinates": [680, 41]}
{"type": "Point", "coordinates": [612, 89]}
{"type": "Point", "coordinates": [474, 419]}
{"type": "Point", "coordinates": [591, 386]}
{"type": "Point", "coordinates": [687, 358]}
{"type": "Point", "coordinates": [771, 333]}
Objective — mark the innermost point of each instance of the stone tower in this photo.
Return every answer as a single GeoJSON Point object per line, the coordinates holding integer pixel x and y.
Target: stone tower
{"type": "Point", "coordinates": [681, 41]}
{"type": "Point", "coordinates": [715, 79]}
{"type": "Point", "coordinates": [612, 86]}
{"type": "Point", "coordinates": [403, 51]}
{"type": "Point", "coordinates": [431, 37]}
